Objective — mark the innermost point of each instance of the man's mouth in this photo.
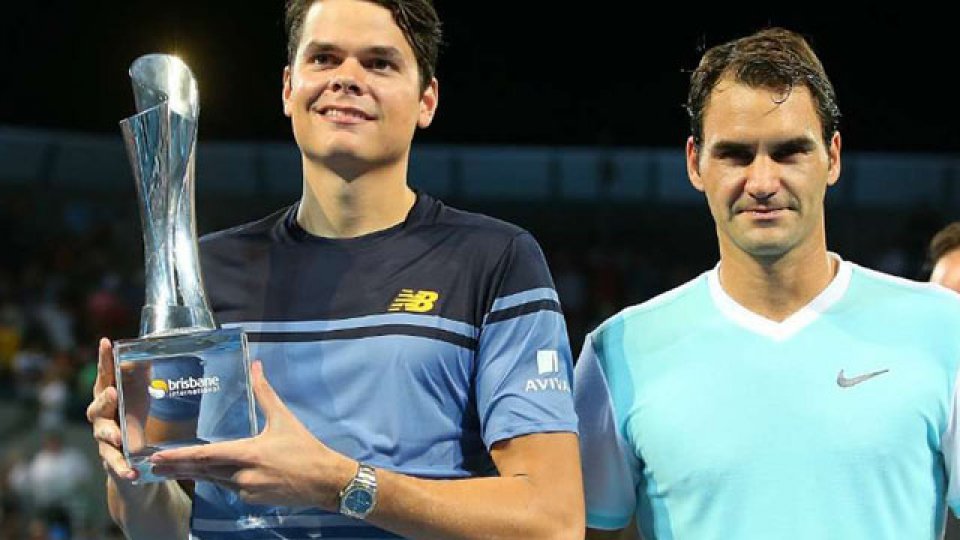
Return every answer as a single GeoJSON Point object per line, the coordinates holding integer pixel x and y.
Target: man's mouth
{"type": "Point", "coordinates": [344, 114]}
{"type": "Point", "coordinates": [765, 212]}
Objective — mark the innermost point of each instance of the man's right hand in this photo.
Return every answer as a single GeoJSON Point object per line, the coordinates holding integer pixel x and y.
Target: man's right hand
{"type": "Point", "coordinates": [102, 415]}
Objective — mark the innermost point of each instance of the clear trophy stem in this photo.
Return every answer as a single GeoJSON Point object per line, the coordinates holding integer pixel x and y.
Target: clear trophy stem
{"type": "Point", "coordinates": [183, 370]}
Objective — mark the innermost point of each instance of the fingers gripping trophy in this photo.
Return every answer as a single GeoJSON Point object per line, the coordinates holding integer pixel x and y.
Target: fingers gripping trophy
{"type": "Point", "coordinates": [183, 371]}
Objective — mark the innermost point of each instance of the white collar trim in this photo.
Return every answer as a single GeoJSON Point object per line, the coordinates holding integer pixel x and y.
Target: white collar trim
{"type": "Point", "coordinates": [780, 331]}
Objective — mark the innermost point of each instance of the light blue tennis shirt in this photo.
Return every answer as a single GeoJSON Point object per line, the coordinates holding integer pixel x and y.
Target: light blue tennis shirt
{"type": "Point", "coordinates": [708, 421]}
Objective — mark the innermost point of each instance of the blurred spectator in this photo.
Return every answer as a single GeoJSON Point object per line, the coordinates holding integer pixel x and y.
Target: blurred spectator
{"type": "Point", "coordinates": [13, 473]}
{"type": "Point", "coordinates": [11, 328]}
{"type": "Point", "coordinates": [944, 257]}
{"type": "Point", "coordinates": [107, 313]}
{"type": "Point", "coordinates": [30, 363]}
{"type": "Point", "coordinates": [56, 319]}
{"type": "Point", "coordinates": [53, 485]}
{"type": "Point", "coordinates": [52, 399]}
{"type": "Point", "coordinates": [37, 529]}
{"type": "Point", "coordinates": [10, 524]}
{"type": "Point", "coordinates": [85, 374]}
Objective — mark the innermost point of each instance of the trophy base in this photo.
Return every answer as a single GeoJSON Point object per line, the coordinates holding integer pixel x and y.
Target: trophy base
{"type": "Point", "coordinates": [182, 390]}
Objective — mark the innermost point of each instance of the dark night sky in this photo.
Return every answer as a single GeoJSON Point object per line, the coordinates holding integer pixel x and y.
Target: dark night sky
{"type": "Point", "coordinates": [571, 75]}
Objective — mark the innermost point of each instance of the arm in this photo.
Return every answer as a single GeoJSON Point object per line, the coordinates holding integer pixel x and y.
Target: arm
{"type": "Point", "coordinates": [159, 510]}
{"type": "Point", "coordinates": [611, 469]}
{"type": "Point", "coordinates": [538, 495]}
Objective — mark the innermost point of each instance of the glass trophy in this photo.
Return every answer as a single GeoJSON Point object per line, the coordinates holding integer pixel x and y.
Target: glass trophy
{"type": "Point", "coordinates": [184, 381]}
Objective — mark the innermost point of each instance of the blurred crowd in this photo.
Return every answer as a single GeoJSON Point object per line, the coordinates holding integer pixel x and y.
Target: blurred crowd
{"type": "Point", "coordinates": [63, 282]}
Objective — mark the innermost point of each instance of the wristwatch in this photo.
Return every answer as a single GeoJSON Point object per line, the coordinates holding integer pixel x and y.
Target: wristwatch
{"type": "Point", "coordinates": [359, 497]}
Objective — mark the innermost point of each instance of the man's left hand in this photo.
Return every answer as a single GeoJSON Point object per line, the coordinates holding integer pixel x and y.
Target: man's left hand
{"type": "Point", "coordinates": [285, 465]}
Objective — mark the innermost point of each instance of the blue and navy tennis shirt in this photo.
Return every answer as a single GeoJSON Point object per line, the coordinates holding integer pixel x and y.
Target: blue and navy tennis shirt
{"type": "Point", "coordinates": [413, 349]}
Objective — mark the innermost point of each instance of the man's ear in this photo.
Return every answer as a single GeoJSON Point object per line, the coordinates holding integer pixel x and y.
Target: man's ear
{"type": "Point", "coordinates": [693, 164]}
{"type": "Point", "coordinates": [428, 103]}
{"type": "Point", "coordinates": [287, 90]}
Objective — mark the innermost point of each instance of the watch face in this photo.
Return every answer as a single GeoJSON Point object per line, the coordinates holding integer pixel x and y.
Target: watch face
{"type": "Point", "coordinates": [358, 501]}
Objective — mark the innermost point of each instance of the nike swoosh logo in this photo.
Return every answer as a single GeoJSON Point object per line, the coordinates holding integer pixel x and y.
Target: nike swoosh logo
{"type": "Point", "coordinates": [844, 382]}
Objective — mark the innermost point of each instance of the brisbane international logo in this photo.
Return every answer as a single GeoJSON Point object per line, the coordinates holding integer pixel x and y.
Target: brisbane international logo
{"type": "Point", "coordinates": [183, 387]}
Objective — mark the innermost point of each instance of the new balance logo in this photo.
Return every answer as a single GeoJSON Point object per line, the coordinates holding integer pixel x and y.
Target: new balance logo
{"type": "Point", "coordinates": [548, 361]}
{"type": "Point", "coordinates": [414, 301]}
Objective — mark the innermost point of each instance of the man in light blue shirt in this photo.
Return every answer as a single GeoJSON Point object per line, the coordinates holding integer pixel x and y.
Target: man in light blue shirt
{"type": "Point", "coordinates": [785, 394]}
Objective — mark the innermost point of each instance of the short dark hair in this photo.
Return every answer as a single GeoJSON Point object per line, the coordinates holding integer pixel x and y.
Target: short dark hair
{"type": "Point", "coordinates": [773, 58]}
{"type": "Point", "coordinates": [417, 19]}
{"type": "Point", "coordinates": [945, 241]}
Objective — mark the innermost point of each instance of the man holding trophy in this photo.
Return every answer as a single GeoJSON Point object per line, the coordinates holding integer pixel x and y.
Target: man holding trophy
{"type": "Point", "coordinates": [411, 365]}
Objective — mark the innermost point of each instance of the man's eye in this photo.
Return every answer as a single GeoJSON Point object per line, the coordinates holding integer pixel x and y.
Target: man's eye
{"type": "Point", "coordinates": [736, 156]}
{"type": "Point", "coordinates": [323, 59]}
{"type": "Point", "coordinates": [381, 64]}
{"type": "Point", "coordinates": [788, 154]}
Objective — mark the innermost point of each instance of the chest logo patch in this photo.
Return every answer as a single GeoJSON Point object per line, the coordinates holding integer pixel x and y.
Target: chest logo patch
{"type": "Point", "coordinates": [414, 301]}
{"type": "Point", "coordinates": [844, 382]}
